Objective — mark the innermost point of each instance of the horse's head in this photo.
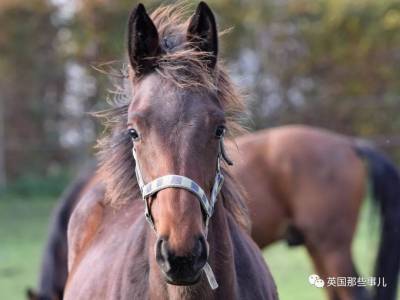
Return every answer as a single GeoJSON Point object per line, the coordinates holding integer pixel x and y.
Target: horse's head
{"type": "Point", "coordinates": [176, 123]}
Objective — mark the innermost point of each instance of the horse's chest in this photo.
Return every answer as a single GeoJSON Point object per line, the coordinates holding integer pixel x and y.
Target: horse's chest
{"type": "Point", "coordinates": [115, 261]}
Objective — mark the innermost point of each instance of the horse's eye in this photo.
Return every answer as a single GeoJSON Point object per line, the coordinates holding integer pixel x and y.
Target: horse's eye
{"type": "Point", "coordinates": [133, 134]}
{"type": "Point", "coordinates": [219, 133]}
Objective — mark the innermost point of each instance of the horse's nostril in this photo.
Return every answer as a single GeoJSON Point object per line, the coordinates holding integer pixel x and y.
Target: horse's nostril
{"type": "Point", "coordinates": [202, 246]}
{"type": "Point", "coordinates": [198, 249]}
{"type": "Point", "coordinates": [162, 255]}
{"type": "Point", "coordinates": [200, 253]}
{"type": "Point", "coordinates": [164, 249]}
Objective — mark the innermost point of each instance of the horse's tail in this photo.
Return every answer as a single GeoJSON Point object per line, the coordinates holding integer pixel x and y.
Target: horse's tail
{"type": "Point", "coordinates": [385, 180]}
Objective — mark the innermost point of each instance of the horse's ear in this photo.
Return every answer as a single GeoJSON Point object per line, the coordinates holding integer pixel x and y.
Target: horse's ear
{"type": "Point", "coordinates": [202, 32]}
{"type": "Point", "coordinates": [143, 43]}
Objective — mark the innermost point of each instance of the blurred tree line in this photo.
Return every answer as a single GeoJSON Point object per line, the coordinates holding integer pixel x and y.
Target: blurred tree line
{"type": "Point", "coordinates": [329, 63]}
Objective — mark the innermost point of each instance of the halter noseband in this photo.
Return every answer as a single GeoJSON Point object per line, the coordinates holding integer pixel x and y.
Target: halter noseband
{"type": "Point", "coordinates": [183, 182]}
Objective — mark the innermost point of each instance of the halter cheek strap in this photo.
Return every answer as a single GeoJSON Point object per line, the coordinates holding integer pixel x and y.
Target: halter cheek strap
{"type": "Point", "coordinates": [183, 182]}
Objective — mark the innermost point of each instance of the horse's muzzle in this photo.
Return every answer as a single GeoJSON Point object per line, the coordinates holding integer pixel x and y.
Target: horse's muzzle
{"type": "Point", "coordinates": [181, 270]}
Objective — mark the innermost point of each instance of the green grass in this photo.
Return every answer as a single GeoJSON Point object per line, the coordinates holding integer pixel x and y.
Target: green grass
{"type": "Point", "coordinates": [23, 227]}
{"type": "Point", "coordinates": [292, 266]}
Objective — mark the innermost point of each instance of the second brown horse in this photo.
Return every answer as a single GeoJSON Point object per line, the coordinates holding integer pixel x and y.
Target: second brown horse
{"type": "Point", "coordinates": [306, 185]}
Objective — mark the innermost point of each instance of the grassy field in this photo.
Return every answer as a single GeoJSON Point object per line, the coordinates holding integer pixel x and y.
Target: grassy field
{"type": "Point", "coordinates": [23, 227]}
{"type": "Point", "coordinates": [292, 266]}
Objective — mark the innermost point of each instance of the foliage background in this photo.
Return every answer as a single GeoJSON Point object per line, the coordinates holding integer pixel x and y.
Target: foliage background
{"type": "Point", "coordinates": [328, 63]}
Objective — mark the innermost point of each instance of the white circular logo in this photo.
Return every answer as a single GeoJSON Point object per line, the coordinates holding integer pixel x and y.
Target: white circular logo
{"type": "Point", "coordinates": [316, 281]}
{"type": "Point", "coordinates": [319, 283]}
{"type": "Point", "coordinates": [313, 278]}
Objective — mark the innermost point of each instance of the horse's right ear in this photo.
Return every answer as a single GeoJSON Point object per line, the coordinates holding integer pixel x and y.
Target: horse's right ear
{"type": "Point", "coordinates": [143, 42]}
{"type": "Point", "coordinates": [202, 32]}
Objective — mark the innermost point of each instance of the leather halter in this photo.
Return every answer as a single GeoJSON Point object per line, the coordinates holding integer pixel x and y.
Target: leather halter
{"type": "Point", "coordinates": [183, 182]}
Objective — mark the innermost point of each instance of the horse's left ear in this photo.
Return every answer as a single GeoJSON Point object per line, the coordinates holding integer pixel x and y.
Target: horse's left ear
{"type": "Point", "coordinates": [143, 41]}
{"type": "Point", "coordinates": [202, 32]}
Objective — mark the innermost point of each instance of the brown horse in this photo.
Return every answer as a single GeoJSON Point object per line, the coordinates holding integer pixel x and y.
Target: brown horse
{"type": "Point", "coordinates": [196, 246]}
{"type": "Point", "coordinates": [301, 181]}
{"type": "Point", "coordinates": [306, 185]}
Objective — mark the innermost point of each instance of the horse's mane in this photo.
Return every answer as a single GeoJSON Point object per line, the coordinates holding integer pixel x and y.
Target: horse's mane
{"type": "Point", "coordinates": [185, 67]}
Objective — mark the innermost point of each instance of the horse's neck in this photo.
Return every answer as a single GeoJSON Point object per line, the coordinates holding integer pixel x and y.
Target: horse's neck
{"type": "Point", "coordinates": [220, 260]}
